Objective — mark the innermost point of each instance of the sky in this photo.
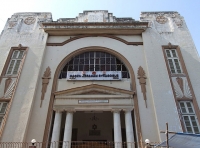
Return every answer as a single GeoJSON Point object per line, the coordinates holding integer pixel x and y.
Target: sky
{"type": "Point", "coordinates": [189, 9]}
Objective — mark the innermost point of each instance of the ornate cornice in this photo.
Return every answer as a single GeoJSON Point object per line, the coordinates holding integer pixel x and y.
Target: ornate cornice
{"type": "Point", "coordinates": [120, 28]}
{"type": "Point", "coordinates": [91, 87]}
{"type": "Point", "coordinates": [96, 24]}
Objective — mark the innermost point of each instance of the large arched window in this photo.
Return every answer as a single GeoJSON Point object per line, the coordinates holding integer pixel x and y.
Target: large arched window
{"type": "Point", "coordinates": [94, 61]}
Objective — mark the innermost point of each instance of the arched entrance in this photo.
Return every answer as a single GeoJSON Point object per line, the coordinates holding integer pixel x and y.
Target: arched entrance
{"type": "Point", "coordinates": [112, 93]}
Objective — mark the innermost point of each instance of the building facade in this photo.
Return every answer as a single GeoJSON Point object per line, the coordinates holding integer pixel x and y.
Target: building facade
{"type": "Point", "coordinates": [97, 77]}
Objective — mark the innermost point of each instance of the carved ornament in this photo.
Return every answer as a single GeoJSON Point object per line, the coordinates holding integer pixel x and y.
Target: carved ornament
{"type": "Point", "coordinates": [19, 46]}
{"type": "Point", "coordinates": [45, 82]}
{"type": "Point", "coordinates": [161, 19]}
{"type": "Point", "coordinates": [181, 87]}
{"type": "Point", "coordinates": [29, 20]}
{"type": "Point", "coordinates": [178, 22]}
{"type": "Point", "coordinates": [7, 83]}
{"type": "Point", "coordinates": [9, 88]}
{"type": "Point", "coordinates": [12, 24]}
{"type": "Point", "coordinates": [170, 45]}
{"type": "Point", "coordinates": [142, 80]}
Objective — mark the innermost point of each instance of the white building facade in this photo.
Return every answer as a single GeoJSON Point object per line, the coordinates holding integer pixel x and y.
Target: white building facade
{"type": "Point", "coordinates": [97, 77]}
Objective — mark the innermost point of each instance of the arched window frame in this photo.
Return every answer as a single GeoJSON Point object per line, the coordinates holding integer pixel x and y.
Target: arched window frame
{"type": "Point", "coordinates": [94, 61]}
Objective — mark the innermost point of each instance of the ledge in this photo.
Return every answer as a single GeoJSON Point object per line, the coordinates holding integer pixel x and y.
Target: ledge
{"type": "Point", "coordinates": [114, 28]}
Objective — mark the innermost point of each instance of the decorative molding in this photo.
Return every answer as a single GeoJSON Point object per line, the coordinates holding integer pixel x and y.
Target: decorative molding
{"type": "Point", "coordinates": [7, 83]}
{"type": "Point", "coordinates": [77, 28]}
{"type": "Point", "coordinates": [178, 22]}
{"type": "Point", "coordinates": [19, 46]}
{"type": "Point", "coordinates": [86, 49]}
{"type": "Point", "coordinates": [72, 97]}
{"type": "Point", "coordinates": [142, 80]}
{"type": "Point", "coordinates": [10, 88]}
{"type": "Point", "coordinates": [45, 82]}
{"type": "Point", "coordinates": [15, 82]}
{"type": "Point", "coordinates": [170, 45]}
{"type": "Point", "coordinates": [100, 35]}
{"type": "Point", "coordinates": [94, 87]}
{"type": "Point", "coordinates": [178, 75]}
{"type": "Point", "coordinates": [3, 73]}
{"type": "Point", "coordinates": [182, 88]}
{"type": "Point", "coordinates": [79, 25]}
{"type": "Point", "coordinates": [161, 19]}
{"type": "Point", "coordinates": [29, 20]}
{"type": "Point", "coordinates": [94, 92]}
{"type": "Point", "coordinates": [180, 83]}
{"type": "Point", "coordinates": [12, 24]}
{"type": "Point", "coordinates": [188, 93]}
{"type": "Point", "coordinates": [5, 99]}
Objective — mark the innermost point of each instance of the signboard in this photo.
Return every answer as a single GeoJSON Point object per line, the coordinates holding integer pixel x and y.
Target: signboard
{"type": "Point", "coordinates": [92, 101]}
{"type": "Point", "coordinates": [94, 75]}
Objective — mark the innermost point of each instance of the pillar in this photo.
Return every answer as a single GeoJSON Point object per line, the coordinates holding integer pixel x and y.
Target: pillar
{"type": "Point", "coordinates": [68, 129]}
{"type": "Point", "coordinates": [129, 129]}
{"type": "Point", "coordinates": [56, 129]}
{"type": "Point", "coordinates": [117, 128]}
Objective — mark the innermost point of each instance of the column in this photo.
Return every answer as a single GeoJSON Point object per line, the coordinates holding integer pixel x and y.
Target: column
{"type": "Point", "coordinates": [68, 129]}
{"type": "Point", "coordinates": [117, 128]}
{"type": "Point", "coordinates": [129, 129]}
{"type": "Point", "coordinates": [56, 129]}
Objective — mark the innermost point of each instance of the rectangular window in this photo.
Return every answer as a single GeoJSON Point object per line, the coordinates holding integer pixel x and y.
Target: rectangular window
{"type": "Point", "coordinates": [15, 62]}
{"type": "Point", "coordinates": [173, 61]}
{"type": "Point", "coordinates": [189, 117]}
{"type": "Point", "coordinates": [3, 106]}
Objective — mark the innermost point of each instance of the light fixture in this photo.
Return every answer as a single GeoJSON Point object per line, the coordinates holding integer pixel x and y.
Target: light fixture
{"type": "Point", "coordinates": [148, 145]}
{"type": "Point", "coordinates": [33, 141]}
{"type": "Point", "coordinates": [147, 141]}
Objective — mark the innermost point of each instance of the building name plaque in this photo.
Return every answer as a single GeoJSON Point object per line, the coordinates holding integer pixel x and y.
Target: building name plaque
{"type": "Point", "coordinates": [94, 75]}
{"type": "Point", "coordinates": [92, 101]}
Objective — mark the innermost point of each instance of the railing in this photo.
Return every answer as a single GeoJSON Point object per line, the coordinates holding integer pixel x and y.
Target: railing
{"type": "Point", "coordinates": [75, 144]}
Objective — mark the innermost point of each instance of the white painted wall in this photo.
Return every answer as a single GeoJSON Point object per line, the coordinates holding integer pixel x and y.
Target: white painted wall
{"type": "Point", "coordinates": [55, 54]}
{"type": "Point", "coordinates": [27, 120]}
{"type": "Point", "coordinates": [162, 95]}
{"type": "Point", "coordinates": [35, 39]}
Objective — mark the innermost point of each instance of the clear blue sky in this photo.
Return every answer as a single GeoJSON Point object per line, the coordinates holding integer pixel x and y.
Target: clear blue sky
{"type": "Point", "coordinates": [189, 9]}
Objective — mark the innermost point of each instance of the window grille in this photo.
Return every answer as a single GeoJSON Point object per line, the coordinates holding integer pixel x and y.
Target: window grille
{"type": "Point", "coordinates": [15, 62]}
{"type": "Point", "coordinates": [189, 117]}
{"type": "Point", "coordinates": [3, 106]}
{"type": "Point", "coordinates": [173, 61]}
{"type": "Point", "coordinates": [94, 61]}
